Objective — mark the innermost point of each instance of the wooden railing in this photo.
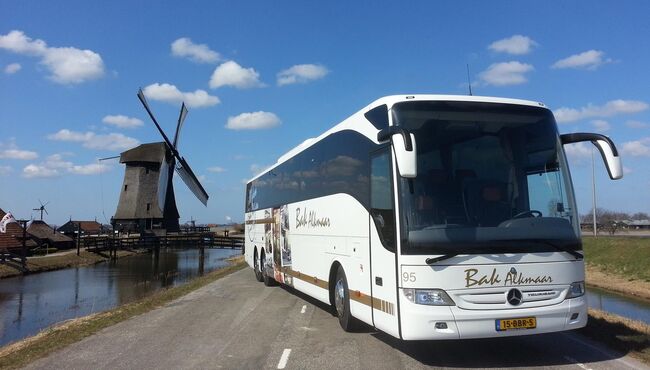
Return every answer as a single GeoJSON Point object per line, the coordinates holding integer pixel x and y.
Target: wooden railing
{"type": "Point", "coordinates": [104, 243]}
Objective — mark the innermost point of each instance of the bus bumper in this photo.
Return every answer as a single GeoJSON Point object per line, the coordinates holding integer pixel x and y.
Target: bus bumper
{"type": "Point", "coordinates": [419, 321]}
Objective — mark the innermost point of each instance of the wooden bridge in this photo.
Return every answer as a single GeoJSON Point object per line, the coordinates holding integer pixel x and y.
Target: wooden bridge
{"type": "Point", "coordinates": [203, 240]}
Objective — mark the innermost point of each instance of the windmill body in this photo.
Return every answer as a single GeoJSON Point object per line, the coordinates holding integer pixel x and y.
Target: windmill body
{"type": "Point", "coordinates": [147, 201]}
{"type": "Point", "coordinates": [147, 195]}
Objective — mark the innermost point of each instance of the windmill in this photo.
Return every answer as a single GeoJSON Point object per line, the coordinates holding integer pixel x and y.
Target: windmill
{"type": "Point", "coordinates": [147, 200]}
{"type": "Point", "coordinates": [41, 208]}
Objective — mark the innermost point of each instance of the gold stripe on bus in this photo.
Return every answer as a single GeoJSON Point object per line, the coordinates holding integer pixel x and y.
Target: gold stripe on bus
{"type": "Point", "coordinates": [260, 221]}
{"type": "Point", "coordinates": [355, 295]}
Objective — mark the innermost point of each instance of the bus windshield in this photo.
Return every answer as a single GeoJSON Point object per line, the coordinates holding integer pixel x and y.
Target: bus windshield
{"type": "Point", "coordinates": [492, 178]}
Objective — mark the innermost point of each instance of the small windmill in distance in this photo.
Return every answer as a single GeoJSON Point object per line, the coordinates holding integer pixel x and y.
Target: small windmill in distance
{"type": "Point", "coordinates": [41, 208]}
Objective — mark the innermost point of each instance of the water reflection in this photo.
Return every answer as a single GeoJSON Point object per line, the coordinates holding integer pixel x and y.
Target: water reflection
{"type": "Point", "coordinates": [620, 305]}
{"type": "Point", "coordinates": [31, 303]}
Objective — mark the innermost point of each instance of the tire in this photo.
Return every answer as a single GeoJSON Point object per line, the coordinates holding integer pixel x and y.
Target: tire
{"type": "Point", "coordinates": [268, 281]}
{"type": "Point", "coordinates": [342, 302]}
{"type": "Point", "coordinates": [256, 267]}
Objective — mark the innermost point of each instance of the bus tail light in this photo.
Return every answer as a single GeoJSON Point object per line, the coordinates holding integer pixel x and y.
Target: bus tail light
{"type": "Point", "coordinates": [430, 297]}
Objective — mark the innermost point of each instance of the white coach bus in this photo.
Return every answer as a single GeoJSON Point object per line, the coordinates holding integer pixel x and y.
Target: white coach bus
{"type": "Point", "coordinates": [429, 217]}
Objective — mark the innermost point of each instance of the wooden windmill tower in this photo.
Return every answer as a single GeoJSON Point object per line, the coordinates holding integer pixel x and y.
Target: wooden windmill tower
{"type": "Point", "coordinates": [147, 201]}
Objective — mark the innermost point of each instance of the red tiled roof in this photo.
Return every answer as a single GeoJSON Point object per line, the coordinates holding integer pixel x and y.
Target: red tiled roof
{"type": "Point", "coordinates": [12, 238]}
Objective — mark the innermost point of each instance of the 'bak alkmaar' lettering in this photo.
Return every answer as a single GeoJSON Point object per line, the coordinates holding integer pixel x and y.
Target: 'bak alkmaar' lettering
{"type": "Point", "coordinates": [310, 219]}
{"type": "Point", "coordinates": [510, 279]}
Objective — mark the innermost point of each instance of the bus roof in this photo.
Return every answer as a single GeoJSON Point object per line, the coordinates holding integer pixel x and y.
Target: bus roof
{"type": "Point", "coordinates": [390, 101]}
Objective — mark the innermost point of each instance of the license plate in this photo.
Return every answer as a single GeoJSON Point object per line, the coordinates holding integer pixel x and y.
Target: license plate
{"type": "Point", "coordinates": [520, 323]}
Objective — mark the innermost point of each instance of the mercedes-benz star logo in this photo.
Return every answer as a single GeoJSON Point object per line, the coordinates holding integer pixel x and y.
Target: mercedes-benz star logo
{"type": "Point", "coordinates": [514, 297]}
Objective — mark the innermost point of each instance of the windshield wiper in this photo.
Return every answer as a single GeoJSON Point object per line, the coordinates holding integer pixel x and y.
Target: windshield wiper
{"type": "Point", "coordinates": [575, 254]}
{"type": "Point", "coordinates": [432, 260]}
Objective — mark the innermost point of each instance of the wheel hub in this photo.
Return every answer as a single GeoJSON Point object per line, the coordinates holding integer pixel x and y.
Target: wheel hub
{"type": "Point", "coordinates": [339, 297]}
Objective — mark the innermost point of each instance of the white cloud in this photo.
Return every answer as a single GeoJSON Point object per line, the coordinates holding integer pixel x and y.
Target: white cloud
{"type": "Point", "coordinates": [6, 170]}
{"type": "Point", "coordinates": [171, 94]}
{"type": "Point", "coordinates": [627, 170]}
{"type": "Point", "coordinates": [257, 168]}
{"type": "Point", "coordinates": [601, 125]}
{"type": "Point", "coordinates": [89, 169]}
{"type": "Point", "coordinates": [67, 65]}
{"type": "Point", "coordinates": [14, 153]}
{"type": "Point", "coordinates": [12, 68]}
{"type": "Point", "coordinates": [590, 59]}
{"type": "Point", "coordinates": [507, 73]}
{"type": "Point", "coordinates": [578, 152]}
{"type": "Point", "coordinates": [301, 73]}
{"type": "Point", "coordinates": [200, 53]}
{"type": "Point", "coordinates": [517, 45]}
{"type": "Point", "coordinates": [216, 169]}
{"type": "Point", "coordinates": [91, 140]}
{"type": "Point", "coordinates": [232, 74]}
{"type": "Point", "coordinates": [611, 108]}
{"type": "Point", "coordinates": [122, 121]}
{"type": "Point", "coordinates": [637, 124]}
{"type": "Point", "coordinates": [54, 165]}
{"type": "Point", "coordinates": [253, 121]}
{"type": "Point", "coordinates": [35, 171]}
{"type": "Point", "coordinates": [228, 219]}
{"type": "Point", "coordinates": [637, 148]}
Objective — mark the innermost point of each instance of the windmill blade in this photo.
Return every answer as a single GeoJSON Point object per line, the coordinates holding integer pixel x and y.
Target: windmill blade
{"type": "Point", "coordinates": [163, 181]}
{"type": "Point", "coordinates": [189, 178]}
{"type": "Point", "coordinates": [179, 125]}
{"type": "Point", "coordinates": [45, 211]}
{"type": "Point", "coordinates": [143, 100]}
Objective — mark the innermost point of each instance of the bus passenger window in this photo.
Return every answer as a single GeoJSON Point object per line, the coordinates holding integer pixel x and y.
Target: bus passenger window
{"type": "Point", "coordinates": [381, 198]}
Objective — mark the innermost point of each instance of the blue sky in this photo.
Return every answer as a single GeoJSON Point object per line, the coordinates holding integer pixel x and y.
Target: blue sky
{"type": "Point", "coordinates": [263, 76]}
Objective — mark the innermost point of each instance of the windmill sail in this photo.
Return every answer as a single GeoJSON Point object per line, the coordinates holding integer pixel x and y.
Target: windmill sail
{"type": "Point", "coordinates": [181, 120]}
{"type": "Point", "coordinates": [182, 168]}
{"type": "Point", "coordinates": [189, 178]}
{"type": "Point", "coordinates": [163, 181]}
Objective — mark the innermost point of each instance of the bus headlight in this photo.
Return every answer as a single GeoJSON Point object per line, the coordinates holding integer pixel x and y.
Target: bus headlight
{"type": "Point", "coordinates": [576, 289]}
{"type": "Point", "coordinates": [431, 297]}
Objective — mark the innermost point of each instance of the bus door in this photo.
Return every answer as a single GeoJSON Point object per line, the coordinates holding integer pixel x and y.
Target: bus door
{"type": "Point", "coordinates": [383, 242]}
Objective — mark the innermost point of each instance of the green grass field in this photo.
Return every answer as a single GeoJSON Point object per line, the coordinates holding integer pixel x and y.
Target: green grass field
{"type": "Point", "coordinates": [623, 256]}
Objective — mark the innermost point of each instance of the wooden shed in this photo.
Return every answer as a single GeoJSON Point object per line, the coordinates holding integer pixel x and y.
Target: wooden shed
{"type": "Point", "coordinates": [45, 235]}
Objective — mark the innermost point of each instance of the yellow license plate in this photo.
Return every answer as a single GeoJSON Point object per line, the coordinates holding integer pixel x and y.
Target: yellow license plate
{"type": "Point", "coordinates": [520, 323]}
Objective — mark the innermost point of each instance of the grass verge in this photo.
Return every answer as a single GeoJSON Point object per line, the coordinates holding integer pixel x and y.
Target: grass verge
{"type": "Point", "coordinates": [61, 261]}
{"type": "Point", "coordinates": [21, 353]}
{"type": "Point", "coordinates": [619, 333]}
{"type": "Point", "coordinates": [618, 264]}
{"type": "Point", "coordinates": [622, 256]}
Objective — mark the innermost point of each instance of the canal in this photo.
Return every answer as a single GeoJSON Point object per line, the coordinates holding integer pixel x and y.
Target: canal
{"type": "Point", "coordinates": [28, 304]}
{"type": "Point", "coordinates": [635, 309]}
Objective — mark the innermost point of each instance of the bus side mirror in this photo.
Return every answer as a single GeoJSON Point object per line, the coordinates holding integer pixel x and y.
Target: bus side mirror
{"type": "Point", "coordinates": [606, 148]}
{"type": "Point", "coordinates": [405, 149]}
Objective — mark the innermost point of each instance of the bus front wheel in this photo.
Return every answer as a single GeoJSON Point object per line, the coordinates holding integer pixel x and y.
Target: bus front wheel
{"type": "Point", "coordinates": [256, 267]}
{"type": "Point", "coordinates": [342, 302]}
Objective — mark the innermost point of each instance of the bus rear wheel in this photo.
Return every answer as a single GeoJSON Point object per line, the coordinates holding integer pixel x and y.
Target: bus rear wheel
{"type": "Point", "coordinates": [256, 267]}
{"type": "Point", "coordinates": [342, 302]}
{"type": "Point", "coordinates": [268, 281]}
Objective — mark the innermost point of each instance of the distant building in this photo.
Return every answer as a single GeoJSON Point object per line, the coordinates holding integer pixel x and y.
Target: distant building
{"type": "Point", "coordinates": [45, 235]}
{"type": "Point", "coordinates": [12, 239]}
{"type": "Point", "coordinates": [636, 224]}
{"type": "Point", "coordinates": [146, 185]}
{"type": "Point", "coordinates": [87, 228]}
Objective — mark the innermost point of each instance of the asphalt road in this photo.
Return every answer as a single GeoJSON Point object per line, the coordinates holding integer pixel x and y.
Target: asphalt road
{"type": "Point", "coordinates": [238, 323]}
